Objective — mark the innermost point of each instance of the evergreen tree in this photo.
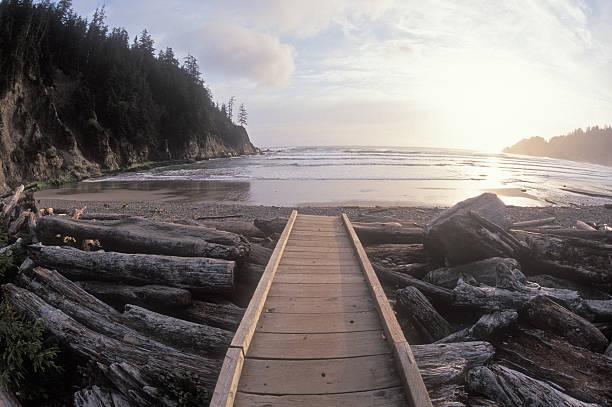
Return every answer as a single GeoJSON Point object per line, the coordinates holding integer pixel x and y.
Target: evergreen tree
{"type": "Point", "coordinates": [230, 108]}
{"type": "Point", "coordinates": [242, 116]}
{"type": "Point", "coordinates": [224, 109]}
{"type": "Point", "coordinates": [146, 43]}
{"type": "Point", "coordinates": [168, 57]}
{"type": "Point", "coordinates": [192, 68]}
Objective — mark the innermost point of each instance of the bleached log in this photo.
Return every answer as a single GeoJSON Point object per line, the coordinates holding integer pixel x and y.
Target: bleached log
{"type": "Point", "coordinates": [98, 397]}
{"type": "Point", "coordinates": [483, 271]}
{"type": "Point", "coordinates": [399, 253]}
{"type": "Point", "coordinates": [10, 204]}
{"type": "Point", "coordinates": [170, 367]}
{"type": "Point", "coordinates": [447, 363]}
{"type": "Point", "coordinates": [579, 260]}
{"type": "Point", "coordinates": [472, 230]}
{"type": "Point", "coordinates": [149, 296]}
{"type": "Point", "coordinates": [498, 299]}
{"type": "Point", "coordinates": [438, 295]}
{"type": "Point", "coordinates": [271, 226]}
{"type": "Point", "coordinates": [511, 388]}
{"type": "Point", "coordinates": [533, 223]}
{"type": "Point", "coordinates": [239, 227]}
{"type": "Point", "coordinates": [488, 326]}
{"type": "Point", "coordinates": [259, 255]}
{"type": "Point", "coordinates": [385, 233]}
{"type": "Point", "coordinates": [581, 373]}
{"type": "Point", "coordinates": [221, 315]}
{"type": "Point", "coordinates": [203, 274]}
{"type": "Point", "coordinates": [139, 235]}
{"type": "Point", "coordinates": [186, 336]}
{"type": "Point", "coordinates": [451, 395]}
{"type": "Point", "coordinates": [419, 319]}
{"type": "Point", "coordinates": [544, 313]}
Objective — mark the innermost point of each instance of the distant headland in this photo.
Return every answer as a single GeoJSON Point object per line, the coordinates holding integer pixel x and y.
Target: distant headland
{"type": "Point", "coordinates": [593, 145]}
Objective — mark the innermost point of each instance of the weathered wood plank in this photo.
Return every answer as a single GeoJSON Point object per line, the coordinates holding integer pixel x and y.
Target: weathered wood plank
{"type": "Point", "coordinates": [393, 397]}
{"type": "Point", "coordinates": [331, 256]}
{"type": "Point", "coordinates": [318, 269]}
{"type": "Point", "coordinates": [329, 305]}
{"type": "Point", "coordinates": [318, 323]}
{"type": "Point", "coordinates": [284, 377]}
{"type": "Point", "coordinates": [318, 290]}
{"type": "Point", "coordinates": [310, 278]}
{"type": "Point", "coordinates": [318, 346]}
{"type": "Point", "coordinates": [317, 262]}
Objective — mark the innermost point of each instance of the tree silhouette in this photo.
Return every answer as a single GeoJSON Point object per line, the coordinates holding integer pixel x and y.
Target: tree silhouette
{"type": "Point", "coordinates": [242, 116]}
{"type": "Point", "coordinates": [230, 108]}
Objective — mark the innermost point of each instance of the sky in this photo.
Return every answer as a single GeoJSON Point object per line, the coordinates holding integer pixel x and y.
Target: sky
{"type": "Point", "coordinates": [475, 74]}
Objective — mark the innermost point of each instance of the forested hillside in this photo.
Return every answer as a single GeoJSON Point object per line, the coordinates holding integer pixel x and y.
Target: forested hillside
{"type": "Point", "coordinates": [593, 145]}
{"type": "Point", "coordinates": [77, 98]}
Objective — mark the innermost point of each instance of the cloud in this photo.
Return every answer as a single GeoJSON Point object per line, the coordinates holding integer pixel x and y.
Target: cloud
{"type": "Point", "coordinates": [234, 50]}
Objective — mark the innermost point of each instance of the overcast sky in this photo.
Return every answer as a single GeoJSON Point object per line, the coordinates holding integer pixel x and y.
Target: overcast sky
{"type": "Point", "coordinates": [476, 74]}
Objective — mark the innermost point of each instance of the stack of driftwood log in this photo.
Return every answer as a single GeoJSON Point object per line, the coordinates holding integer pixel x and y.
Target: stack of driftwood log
{"type": "Point", "coordinates": [496, 315]}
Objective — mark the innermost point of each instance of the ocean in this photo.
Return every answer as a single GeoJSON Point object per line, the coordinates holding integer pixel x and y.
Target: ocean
{"type": "Point", "coordinates": [369, 176]}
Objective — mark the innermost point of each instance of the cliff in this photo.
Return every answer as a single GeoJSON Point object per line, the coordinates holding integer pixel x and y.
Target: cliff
{"type": "Point", "coordinates": [76, 99]}
{"type": "Point", "coordinates": [593, 145]}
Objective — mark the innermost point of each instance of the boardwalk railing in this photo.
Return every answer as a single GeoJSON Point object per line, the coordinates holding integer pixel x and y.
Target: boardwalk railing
{"type": "Point", "coordinates": [319, 329]}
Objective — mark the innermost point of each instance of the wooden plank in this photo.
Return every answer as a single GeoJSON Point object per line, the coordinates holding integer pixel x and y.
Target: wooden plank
{"type": "Point", "coordinates": [292, 248]}
{"type": "Point", "coordinates": [227, 383]}
{"type": "Point", "coordinates": [319, 217]}
{"type": "Point", "coordinates": [284, 377]}
{"type": "Point", "coordinates": [311, 228]}
{"type": "Point", "coordinates": [330, 305]}
{"type": "Point", "coordinates": [310, 278]}
{"type": "Point", "coordinates": [318, 290]}
{"type": "Point", "coordinates": [319, 269]}
{"type": "Point", "coordinates": [318, 323]}
{"type": "Point", "coordinates": [346, 256]}
{"type": "Point", "coordinates": [318, 345]}
{"type": "Point", "coordinates": [317, 262]}
{"type": "Point", "coordinates": [393, 397]}
{"type": "Point", "coordinates": [318, 234]}
{"type": "Point", "coordinates": [247, 326]}
{"type": "Point", "coordinates": [409, 372]}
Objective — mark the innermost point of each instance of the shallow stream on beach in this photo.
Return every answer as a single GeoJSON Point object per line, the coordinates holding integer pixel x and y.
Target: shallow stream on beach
{"type": "Point", "coordinates": [322, 176]}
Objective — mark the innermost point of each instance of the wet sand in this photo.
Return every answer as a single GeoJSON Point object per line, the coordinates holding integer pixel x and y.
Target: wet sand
{"type": "Point", "coordinates": [298, 193]}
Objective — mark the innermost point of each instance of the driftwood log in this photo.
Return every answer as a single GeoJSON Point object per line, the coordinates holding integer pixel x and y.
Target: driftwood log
{"type": "Point", "coordinates": [187, 336]}
{"type": "Point", "coordinates": [399, 253]}
{"type": "Point", "coordinates": [238, 227]}
{"type": "Point", "coordinates": [450, 395]}
{"type": "Point", "coordinates": [259, 255]}
{"type": "Point", "coordinates": [579, 260]}
{"type": "Point", "coordinates": [221, 315]}
{"type": "Point", "coordinates": [156, 297]}
{"type": "Point", "coordinates": [483, 271]}
{"type": "Point", "coordinates": [139, 235]}
{"type": "Point", "coordinates": [544, 313]}
{"type": "Point", "coordinates": [487, 326]}
{"type": "Point", "coordinates": [580, 373]}
{"type": "Point", "coordinates": [442, 364]}
{"type": "Point", "coordinates": [382, 233]}
{"type": "Point", "coordinates": [511, 388]}
{"type": "Point", "coordinates": [496, 299]}
{"type": "Point", "coordinates": [271, 226]}
{"type": "Point", "coordinates": [438, 295]}
{"type": "Point", "coordinates": [249, 273]}
{"type": "Point", "coordinates": [419, 319]}
{"type": "Point", "coordinates": [98, 397]}
{"type": "Point", "coordinates": [472, 230]}
{"type": "Point", "coordinates": [203, 274]}
{"type": "Point", "coordinates": [585, 291]}
{"type": "Point", "coordinates": [155, 368]}
{"type": "Point", "coordinates": [9, 205]}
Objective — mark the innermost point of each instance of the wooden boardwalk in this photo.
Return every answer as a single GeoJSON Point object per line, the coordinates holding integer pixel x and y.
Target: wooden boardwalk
{"type": "Point", "coordinates": [319, 330]}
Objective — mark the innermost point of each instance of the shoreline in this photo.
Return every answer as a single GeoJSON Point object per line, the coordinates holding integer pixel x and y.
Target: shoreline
{"type": "Point", "coordinates": [186, 211]}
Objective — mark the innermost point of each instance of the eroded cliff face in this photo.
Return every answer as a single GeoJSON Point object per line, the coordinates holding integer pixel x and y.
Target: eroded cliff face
{"type": "Point", "coordinates": [49, 133]}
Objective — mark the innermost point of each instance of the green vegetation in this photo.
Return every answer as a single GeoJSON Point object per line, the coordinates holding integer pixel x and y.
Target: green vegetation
{"type": "Point", "coordinates": [592, 145]}
{"type": "Point", "coordinates": [109, 92]}
{"type": "Point", "coordinates": [27, 362]}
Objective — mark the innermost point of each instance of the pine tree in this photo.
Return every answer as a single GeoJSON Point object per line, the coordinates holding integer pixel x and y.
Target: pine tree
{"type": "Point", "coordinates": [192, 68]}
{"type": "Point", "coordinates": [224, 109]}
{"type": "Point", "coordinates": [230, 108]}
{"type": "Point", "coordinates": [168, 57]}
{"type": "Point", "coordinates": [146, 43]}
{"type": "Point", "coordinates": [242, 116]}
